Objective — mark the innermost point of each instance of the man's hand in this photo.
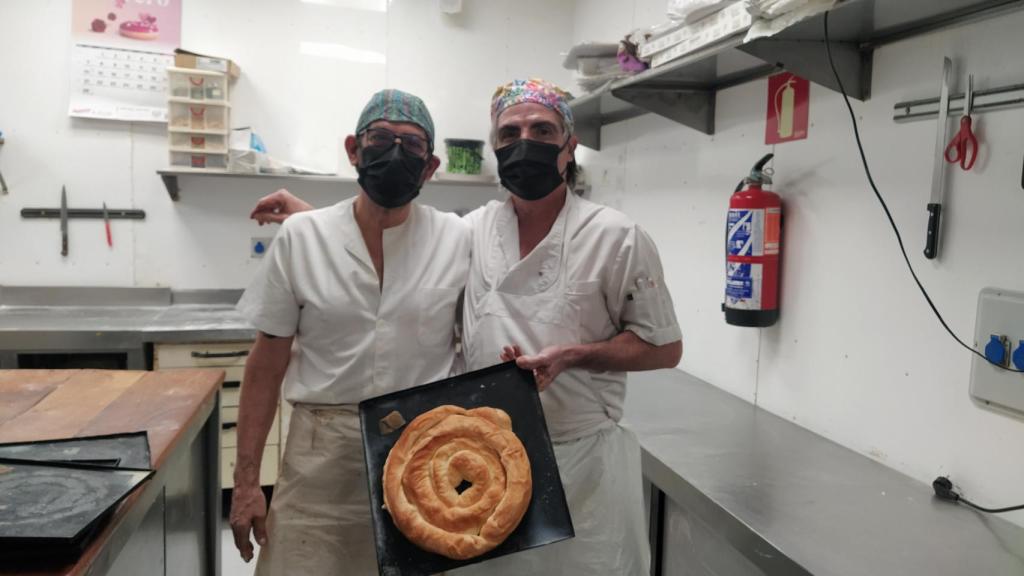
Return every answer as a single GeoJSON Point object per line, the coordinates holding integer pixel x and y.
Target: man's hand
{"type": "Point", "coordinates": [248, 514]}
{"type": "Point", "coordinates": [277, 207]}
{"type": "Point", "coordinates": [546, 365]}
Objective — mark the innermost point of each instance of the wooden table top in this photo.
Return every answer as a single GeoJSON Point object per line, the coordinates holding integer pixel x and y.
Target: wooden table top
{"type": "Point", "coordinates": [54, 404]}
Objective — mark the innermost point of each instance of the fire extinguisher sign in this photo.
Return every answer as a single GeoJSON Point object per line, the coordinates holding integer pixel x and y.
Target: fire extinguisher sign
{"type": "Point", "coordinates": [788, 108]}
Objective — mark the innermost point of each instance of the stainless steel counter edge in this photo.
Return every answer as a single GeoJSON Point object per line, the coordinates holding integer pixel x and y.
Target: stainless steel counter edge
{"type": "Point", "coordinates": [115, 340]}
{"type": "Point", "coordinates": [74, 296]}
{"type": "Point", "coordinates": [794, 502]}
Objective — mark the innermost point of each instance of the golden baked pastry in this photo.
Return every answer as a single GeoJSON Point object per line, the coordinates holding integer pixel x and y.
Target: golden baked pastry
{"type": "Point", "coordinates": [436, 453]}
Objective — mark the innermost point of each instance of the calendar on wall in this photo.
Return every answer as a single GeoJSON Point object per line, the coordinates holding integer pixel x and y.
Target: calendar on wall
{"type": "Point", "coordinates": [120, 51]}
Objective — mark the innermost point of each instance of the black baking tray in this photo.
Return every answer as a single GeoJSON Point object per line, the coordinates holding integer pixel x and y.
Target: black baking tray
{"type": "Point", "coordinates": [503, 386]}
{"type": "Point", "coordinates": [53, 510]}
{"type": "Point", "coordinates": [126, 450]}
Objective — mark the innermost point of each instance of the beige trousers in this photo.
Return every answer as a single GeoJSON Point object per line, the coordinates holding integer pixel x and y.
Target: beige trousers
{"type": "Point", "coordinates": [319, 521]}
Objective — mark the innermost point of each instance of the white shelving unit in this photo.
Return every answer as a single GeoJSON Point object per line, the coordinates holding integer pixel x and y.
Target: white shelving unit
{"type": "Point", "coordinates": [200, 119]}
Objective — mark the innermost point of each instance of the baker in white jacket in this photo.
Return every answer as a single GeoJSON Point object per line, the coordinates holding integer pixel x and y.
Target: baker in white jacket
{"type": "Point", "coordinates": [575, 292]}
{"type": "Point", "coordinates": [353, 301]}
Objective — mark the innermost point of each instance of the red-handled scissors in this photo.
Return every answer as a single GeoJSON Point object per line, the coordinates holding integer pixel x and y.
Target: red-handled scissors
{"type": "Point", "coordinates": [963, 148]}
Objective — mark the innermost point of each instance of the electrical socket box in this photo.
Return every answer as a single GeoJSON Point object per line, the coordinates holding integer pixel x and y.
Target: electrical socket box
{"type": "Point", "coordinates": [1000, 314]}
{"type": "Point", "coordinates": [258, 247]}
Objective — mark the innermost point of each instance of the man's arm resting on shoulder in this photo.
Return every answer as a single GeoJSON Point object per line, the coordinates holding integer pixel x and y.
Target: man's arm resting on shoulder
{"type": "Point", "coordinates": [264, 371]}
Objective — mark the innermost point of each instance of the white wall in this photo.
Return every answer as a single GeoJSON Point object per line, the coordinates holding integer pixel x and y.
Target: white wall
{"type": "Point", "coordinates": [857, 356]}
{"type": "Point", "coordinates": [302, 105]}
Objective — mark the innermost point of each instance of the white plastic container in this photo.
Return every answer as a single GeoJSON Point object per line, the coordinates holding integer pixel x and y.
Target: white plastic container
{"type": "Point", "coordinates": [191, 141]}
{"type": "Point", "coordinates": [199, 116]}
{"type": "Point", "coordinates": [191, 85]}
{"type": "Point", "coordinates": [199, 160]}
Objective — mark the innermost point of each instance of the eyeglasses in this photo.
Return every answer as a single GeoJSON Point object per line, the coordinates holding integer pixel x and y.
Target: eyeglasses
{"type": "Point", "coordinates": [411, 143]}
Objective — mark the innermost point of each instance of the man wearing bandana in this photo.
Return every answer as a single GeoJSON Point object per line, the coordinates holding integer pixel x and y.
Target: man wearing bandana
{"type": "Point", "coordinates": [575, 292]}
{"type": "Point", "coordinates": [353, 301]}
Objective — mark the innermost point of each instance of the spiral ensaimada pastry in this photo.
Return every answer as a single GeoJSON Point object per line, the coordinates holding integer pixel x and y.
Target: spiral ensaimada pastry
{"type": "Point", "coordinates": [444, 449]}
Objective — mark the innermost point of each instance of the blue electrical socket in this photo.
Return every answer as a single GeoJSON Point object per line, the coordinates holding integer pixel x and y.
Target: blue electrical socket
{"type": "Point", "coordinates": [996, 350]}
{"type": "Point", "coordinates": [1018, 356]}
{"type": "Point", "coordinates": [258, 247]}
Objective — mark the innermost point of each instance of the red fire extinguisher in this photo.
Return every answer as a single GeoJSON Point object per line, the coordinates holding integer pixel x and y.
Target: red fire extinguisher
{"type": "Point", "coordinates": [753, 243]}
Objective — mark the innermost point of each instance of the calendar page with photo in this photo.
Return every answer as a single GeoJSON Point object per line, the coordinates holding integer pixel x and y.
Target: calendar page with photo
{"type": "Point", "coordinates": [120, 51]}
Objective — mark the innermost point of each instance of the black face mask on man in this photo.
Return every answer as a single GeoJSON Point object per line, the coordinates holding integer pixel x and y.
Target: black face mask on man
{"type": "Point", "coordinates": [529, 169]}
{"type": "Point", "coordinates": [390, 176]}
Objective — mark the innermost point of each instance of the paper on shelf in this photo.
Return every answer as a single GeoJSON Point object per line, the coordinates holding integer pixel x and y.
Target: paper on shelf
{"type": "Point", "coordinates": [720, 25]}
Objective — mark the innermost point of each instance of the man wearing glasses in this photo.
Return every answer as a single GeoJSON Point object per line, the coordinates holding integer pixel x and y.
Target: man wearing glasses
{"type": "Point", "coordinates": [353, 301]}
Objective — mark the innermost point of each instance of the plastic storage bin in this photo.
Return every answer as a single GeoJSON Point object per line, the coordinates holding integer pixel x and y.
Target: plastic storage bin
{"type": "Point", "coordinates": [199, 160]}
{"type": "Point", "coordinates": [198, 116]}
{"type": "Point", "coordinates": [201, 142]}
{"type": "Point", "coordinates": [464, 156]}
{"type": "Point", "coordinates": [197, 85]}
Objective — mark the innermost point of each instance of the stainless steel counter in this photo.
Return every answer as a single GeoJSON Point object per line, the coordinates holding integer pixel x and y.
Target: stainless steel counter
{"type": "Point", "coordinates": [114, 319]}
{"type": "Point", "coordinates": [792, 502]}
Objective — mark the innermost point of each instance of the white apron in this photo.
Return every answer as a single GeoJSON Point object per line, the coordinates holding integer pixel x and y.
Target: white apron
{"type": "Point", "coordinates": [601, 470]}
{"type": "Point", "coordinates": [319, 520]}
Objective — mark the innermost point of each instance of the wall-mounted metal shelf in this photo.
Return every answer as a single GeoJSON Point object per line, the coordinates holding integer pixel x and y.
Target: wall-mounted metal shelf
{"type": "Point", "coordinates": [170, 178]}
{"type": "Point", "coordinates": [684, 90]}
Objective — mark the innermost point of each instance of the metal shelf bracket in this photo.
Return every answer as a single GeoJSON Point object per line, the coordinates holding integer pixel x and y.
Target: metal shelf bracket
{"type": "Point", "coordinates": [692, 108]}
{"type": "Point", "coordinates": [808, 59]}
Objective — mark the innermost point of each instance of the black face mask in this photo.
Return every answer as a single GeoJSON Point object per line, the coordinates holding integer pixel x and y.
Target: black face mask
{"type": "Point", "coordinates": [529, 169]}
{"type": "Point", "coordinates": [390, 177]}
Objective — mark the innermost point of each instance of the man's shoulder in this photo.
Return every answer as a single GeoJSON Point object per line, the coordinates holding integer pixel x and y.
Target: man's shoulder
{"type": "Point", "coordinates": [482, 216]}
{"type": "Point", "coordinates": [310, 219]}
{"type": "Point", "coordinates": [441, 222]}
{"type": "Point", "coordinates": [600, 219]}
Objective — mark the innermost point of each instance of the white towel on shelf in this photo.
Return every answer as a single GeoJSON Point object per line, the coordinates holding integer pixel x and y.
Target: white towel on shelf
{"type": "Point", "coordinates": [773, 16]}
{"type": "Point", "coordinates": [689, 11]}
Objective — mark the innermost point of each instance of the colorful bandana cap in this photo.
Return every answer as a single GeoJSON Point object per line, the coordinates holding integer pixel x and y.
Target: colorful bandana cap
{"type": "Point", "coordinates": [533, 90]}
{"type": "Point", "coordinates": [397, 106]}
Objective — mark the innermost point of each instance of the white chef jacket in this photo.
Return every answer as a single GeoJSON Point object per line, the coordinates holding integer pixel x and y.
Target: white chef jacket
{"type": "Point", "coordinates": [595, 275]}
{"type": "Point", "coordinates": [356, 339]}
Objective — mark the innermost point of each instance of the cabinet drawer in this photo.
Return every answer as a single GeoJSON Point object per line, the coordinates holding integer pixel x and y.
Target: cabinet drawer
{"type": "Point", "coordinates": [230, 393]}
{"type": "Point", "coordinates": [268, 469]}
{"type": "Point", "coordinates": [214, 354]}
{"type": "Point", "coordinates": [229, 429]}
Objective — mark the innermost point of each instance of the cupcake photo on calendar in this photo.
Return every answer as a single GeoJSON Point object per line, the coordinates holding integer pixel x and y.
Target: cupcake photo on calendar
{"type": "Point", "coordinates": [144, 28]}
{"type": "Point", "coordinates": [121, 24]}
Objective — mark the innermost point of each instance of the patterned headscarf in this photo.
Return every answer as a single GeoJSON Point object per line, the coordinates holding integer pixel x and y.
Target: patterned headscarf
{"type": "Point", "coordinates": [533, 90]}
{"type": "Point", "coordinates": [396, 106]}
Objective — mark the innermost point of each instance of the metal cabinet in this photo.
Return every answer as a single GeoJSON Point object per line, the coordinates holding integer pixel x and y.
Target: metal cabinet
{"type": "Point", "coordinates": [230, 357]}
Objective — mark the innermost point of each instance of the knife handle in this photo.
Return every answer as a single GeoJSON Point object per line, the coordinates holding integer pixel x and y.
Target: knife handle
{"type": "Point", "coordinates": [931, 245]}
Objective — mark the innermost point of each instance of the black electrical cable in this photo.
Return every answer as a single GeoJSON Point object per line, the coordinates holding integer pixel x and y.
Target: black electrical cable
{"type": "Point", "coordinates": [944, 489]}
{"type": "Point", "coordinates": [888, 214]}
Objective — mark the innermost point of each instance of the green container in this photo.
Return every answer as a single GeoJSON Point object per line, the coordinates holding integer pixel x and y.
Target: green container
{"type": "Point", "coordinates": [464, 156]}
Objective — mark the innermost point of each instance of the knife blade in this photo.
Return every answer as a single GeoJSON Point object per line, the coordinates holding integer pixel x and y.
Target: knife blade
{"type": "Point", "coordinates": [63, 221]}
{"type": "Point", "coordinates": [931, 245]}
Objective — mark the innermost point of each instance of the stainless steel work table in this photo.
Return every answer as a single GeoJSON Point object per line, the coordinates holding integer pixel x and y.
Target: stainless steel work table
{"type": "Point", "coordinates": [114, 319]}
{"type": "Point", "coordinates": [790, 501]}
